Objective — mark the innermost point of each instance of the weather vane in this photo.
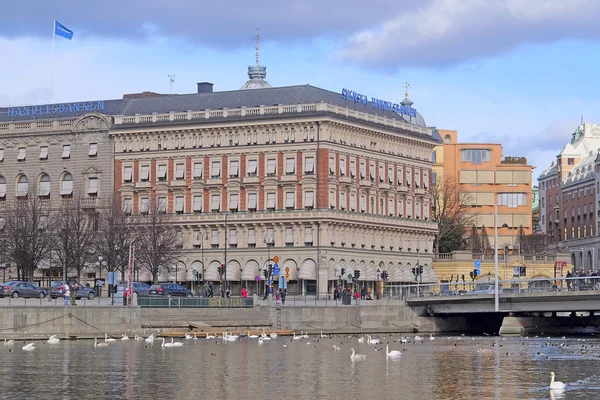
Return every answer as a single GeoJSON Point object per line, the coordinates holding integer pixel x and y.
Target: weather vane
{"type": "Point", "coordinates": [406, 87]}
{"type": "Point", "coordinates": [257, 39]}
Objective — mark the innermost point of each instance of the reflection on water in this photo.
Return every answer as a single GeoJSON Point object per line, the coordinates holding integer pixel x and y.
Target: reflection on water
{"type": "Point", "coordinates": [447, 368]}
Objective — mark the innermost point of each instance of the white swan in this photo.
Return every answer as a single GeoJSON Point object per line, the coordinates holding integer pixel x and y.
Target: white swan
{"type": "Point", "coordinates": [53, 340]}
{"type": "Point", "coordinates": [361, 339]}
{"type": "Point", "coordinates": [210, 336]}
{"type": "Point", "coordinates": [166, 344]}
{"type": "Point", "coordinates": [296, 337]}
{"type": "Point", "coordinates": [304, 335]}
{"type": "Point", "coordinates": [555, 384]}
{"type": "Point", "coordinates": [252, 336]}
{"type": "Point", "coordinates": [107, 339]}
{"type": "Point", "coordinates": [372, 341]}
{"type": "Point", "coordinates": [188, 336]}
{"type": "Point", "coordinates": [404, 340]}
{"type": "Point", "coordinates": [336, 347]}
{"type": "Point", "coordinates": [323, 336]}
{"type": "Point", "coordinates": [137, 338]}
{"type": "Point", "coordinates": [28, 347]}
{"type": "Point", "coordinates": [431, 337]}
{"type": "Point", "coordinates": [150, 339]}
{"type": "Point", "coordinates": [176, 344]}
{"type": "Point", "coordinates": [263, 336]}
{"type": "Point", "coordinates": [195, 336]}
{"type": "Point", "coordinates": [417, 338]}
{"type": "Point", "coordinates": [124, 337]}
{"type": "Point", "coordinates": [260, 340]}
{"type": "Point", "coordinates": [393, 353]}
{"type": "Point", "coordinates": [273, 335]}
{"type": "Point", "coordinates": [9, 342]}
{"type": "Point", "coordinates": [96, 344]}
{"type": "Point", "coordinates": [357, 357]}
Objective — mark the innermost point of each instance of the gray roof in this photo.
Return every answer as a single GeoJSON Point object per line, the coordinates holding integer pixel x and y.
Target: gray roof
{"type": "Point", "coordinates": [302, 94]}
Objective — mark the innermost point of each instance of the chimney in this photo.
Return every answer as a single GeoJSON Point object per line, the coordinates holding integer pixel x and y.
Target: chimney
{"type": "Point", "coordinates": [205, 87]}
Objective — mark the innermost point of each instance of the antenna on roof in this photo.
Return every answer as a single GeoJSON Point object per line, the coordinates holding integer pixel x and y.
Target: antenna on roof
{"type": "Point", "coordinates": [406, 87]}
{"type": "Point", "coordinates": [171, 80]}
{"type": "Point", "coordinates": [257, 39]}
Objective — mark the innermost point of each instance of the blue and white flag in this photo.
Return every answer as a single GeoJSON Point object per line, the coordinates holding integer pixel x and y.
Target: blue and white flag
{"type": "Point", "coordinates": [61, 30]}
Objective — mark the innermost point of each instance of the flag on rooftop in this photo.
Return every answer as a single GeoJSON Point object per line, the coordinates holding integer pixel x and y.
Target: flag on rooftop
{"type": "Point", "coordinates": [61, 30]}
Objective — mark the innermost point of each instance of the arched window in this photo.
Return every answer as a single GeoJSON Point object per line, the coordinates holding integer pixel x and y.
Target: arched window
{"type": "Point", "coordinates": [447, 139]}
{"type": "Point", "coordinates": [22, 186]}
{"type": "Point", "coordinates": [2, 188]}
{"type": "Point", "coordinates": [66, 185]}
{"type": "Point", "coordinates": [44, 187]}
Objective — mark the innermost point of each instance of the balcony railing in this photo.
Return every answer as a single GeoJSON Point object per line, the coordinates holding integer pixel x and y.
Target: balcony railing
{"type": "Point", "coordinates": [467, 256]}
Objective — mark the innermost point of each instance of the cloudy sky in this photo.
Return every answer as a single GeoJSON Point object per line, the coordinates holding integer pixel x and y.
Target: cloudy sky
{"type": "Point", "coordinates": [518, 72]}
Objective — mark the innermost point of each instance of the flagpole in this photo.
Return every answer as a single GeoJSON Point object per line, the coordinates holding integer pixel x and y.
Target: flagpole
{"type": "Point", "coordinates": [52, 59]}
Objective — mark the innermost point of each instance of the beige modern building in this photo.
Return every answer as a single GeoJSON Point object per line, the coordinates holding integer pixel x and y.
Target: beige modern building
{"type": "Point", "coordinates": [320, 180]}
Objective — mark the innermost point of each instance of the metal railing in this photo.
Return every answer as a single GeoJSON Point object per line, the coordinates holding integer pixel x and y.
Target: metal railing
{"type": "Point", "coordinates": [545, 285]}
{"type": "Point", "coordinates": [194, 302]}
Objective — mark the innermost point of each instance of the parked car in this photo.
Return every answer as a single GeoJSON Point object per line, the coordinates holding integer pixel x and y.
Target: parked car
{"type": "Point", "coordinates": [17, 289]}
{"type": "Point", "coordinates": [84, 292]}
{"type": "Point", "coordinates": [483, 288]}
{"type": "Point", "coordinates": [140, 288]}
{"type": "Point", "coordinates": [169, 289]}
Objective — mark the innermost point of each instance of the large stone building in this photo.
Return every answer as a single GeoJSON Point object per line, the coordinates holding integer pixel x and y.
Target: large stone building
{"type": "Point", "coordinates": [487, 179]}
{"type": "Point", "coordinates": [568, 198]}
{"type": "Point", "coordinates": [321, 180]}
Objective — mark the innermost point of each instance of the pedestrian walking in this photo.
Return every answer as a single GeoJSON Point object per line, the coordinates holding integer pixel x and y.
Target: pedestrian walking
{"type": "Point", "coordinates": [228, 292]}
{"type": "Point", "coordinates": [244, 293]}
{"type": "Point", "coordinates": [66, 293]}
{"type": "Point", "coordinates": [278, 296]}
{"type": "Point", "coordinates": [283, 294]}
{"type": "Point", "coordinates": [211, 290]}
{"type": "Point", "coordinates": [569, 282]}
{"type": "Point", "coordinates": [336, 294]}
{"type": "Point", "coordinates": [206, 289]}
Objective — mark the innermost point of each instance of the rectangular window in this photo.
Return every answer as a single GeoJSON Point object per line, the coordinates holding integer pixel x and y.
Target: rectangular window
{"type": "Point", "coordinates": [1, 155]}
{"type": "Point", "coordinates": [353, 202]}
{"type": "Point", "coordinates": [425, 179]}
{"type": "Point", "coordinates": [271, 167]}
{"type": "Point", "coordinates": [343, 200]}
{"type": "Point", "coordinates": [476, 156]}
{"type": "Point", "coordinates": [162, 205]}
{"type": "Point", "coordinates": [145, 173]}
{"type": "Point", "coordinates": [289, 200]}
{"type": "Point", "coordinates": [363, 170]}
{"type": "Point", "coordinates": [308, 236]}
{"type": "Point", "coordinates": [331, 165]}
{"type": "Point", "coordinates": [162, 172]}
{"type": "Point", "coordinates": [342, 166]}
{"type": "Point", "coordinates": [234, 169]}
{"type": "Point", "coordinates": [309, 165]}
{"type": "Point", "coordinates": [400, 175]}
{"type": "Point", "coordinates": [352, 168]}
{"type": "Point", "coordinates": [215, 171]}
{"type": "Point", "coordinates": [271, 201]}
{"type": "Point", "coordinates": [93, 186]}
{"type": "Point", "coordinates": [144, 205]}
{"type": "Point", "coordinates": [179, 171]}
{"type": "Point", "coordinates": [66, 151]}
{"type": "Point", "coordinates": [309, 200]}
{"type": "Point", "coordinates": [233, 238]}
{"type": "Point", "coordinates": [390, 175]}
{"type": "Point", "coordinates": [332, 200]}
{"type": "Point", "coordinates": [197, 240]}
{"type": "Point", "coordinates": [270, 239]}
{"type": "Point", "coordinates": [252, 201]}
{"type": "Point", "coordinates": [289, 236]}
{"type": "Point", "coordinates": [233, 201]}
{"type": "Point", "coordinates": [127, 174]}
{"type": "Point", "coordinates": [197, 204]}
{"type": "Point", "coordinates": [512, 200]}
{"type": "Point", "coordinates": [215, 202]}
{"type": "Point", "coordinates": [372, 171]}
{"type": "Point", "coordinates": [381, 173]}
{"type": "Point", "coordinates": [251, 237]}
{"type": "Point", "coordinates": [44, 153]}
{"type": "Point", "coordinates": [179, 201]}
{"type": "Point", "coordinates": [390, 206]}
{"type": "Point", "coordinates": [252, 165]}
{"type": "Point", "coordinates": [127, 205]}
{"type": "Point", "coordinates": [417, 178]}
{"type": "Point", "coordinates": [290, 166]}
{"type": "Point", "coordinates": [408, 177]}
{"type": "Point", "coordinates": [198, 169]}
{"type": "Point", "coordinates": [363, 203]}
{"type": "Point", "coordinates": [21, 155]}
{"type": "Point", "coordinates": [93, 151]}
{"type": "Point", "coordinates": [214, 238]}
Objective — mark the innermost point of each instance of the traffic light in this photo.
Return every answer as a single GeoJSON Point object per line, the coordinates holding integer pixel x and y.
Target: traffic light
{"type": "Point", "coordinates": [384, 275]}
{"type": "Point", "coordinates": [343, 271]}
{"type": "Point", "coordinates": [475, 273]}
{"type": "Point", "coordinates": [472, 275]}
{"type": "Point", "coordinates": [463, 277]}
{"type": "Point", "coordinates": [414, 271]}
{"type": "Point", "coordinates": [421, 270]}
{"type": "Point", "coordinates": [266, 273]}
{"type": "Point", "coordinates": [356, 274]}
{"type": "Point", "coordinates": [270, 269]}
{"type": "Point", "coordinates": [287, 273]}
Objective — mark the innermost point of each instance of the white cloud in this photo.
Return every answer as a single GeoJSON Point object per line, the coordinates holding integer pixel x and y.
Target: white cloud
{"type": "Point", "coordinates": [447, 32]}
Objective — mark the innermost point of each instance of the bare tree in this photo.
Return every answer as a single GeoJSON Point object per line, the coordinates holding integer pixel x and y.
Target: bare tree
{"type": "Point", "coordinates": [475, 243]}
{"type": "Point", "coordinates": [76, 236]}
{"type": "Point", "coordinates": [486, 247]}
{"type": "Point", "coordinates": [29, 234]}
{"type": "Point", "coordinates": [449, 210]}
{"type": "Point", "coordinates": [115, 234]}
{"type": "Point", "coordinates": [532, 244]}
{"type": "Point", "coordinates": [158, 242]}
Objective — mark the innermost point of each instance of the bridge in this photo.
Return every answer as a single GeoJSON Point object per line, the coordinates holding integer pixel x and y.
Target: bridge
{"type": "Point", "coordinates": [575, 304]}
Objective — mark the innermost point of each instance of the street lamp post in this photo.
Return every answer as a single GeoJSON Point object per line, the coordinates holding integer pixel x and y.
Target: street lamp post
{"type": "Point", "coordinates": [496, 295]}
{"type": "Point", "coordinates": [224, 293]}
{"type": "Point", "coordinates": [269, 240]}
